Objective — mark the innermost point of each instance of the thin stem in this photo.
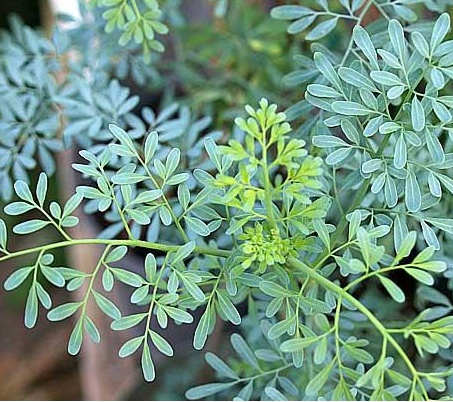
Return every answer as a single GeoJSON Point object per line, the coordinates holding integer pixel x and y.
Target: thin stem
{"type": "Point", "coordinates": [337, 335]}
{"type": "Point", "coordinates": [52, 221]}
{"type": "Point", "coordinates": [326, 283]}
{"type": "Point", "coordinates": [374, 273]}
{"type": "Point", "coordinates": [265, 373]}
{"type": "Point", "coordinates": [167, 204]}
{"type": "Point", "coordinates": [117, 205]}
{"type": "Point", "coordinates": [92, 279]}
{"type": "Point", "coordinates": [351, 40]}
{"type": "Point", "coordinates": [153, 300]}
{"type": "Point", "coordinates": [267, 183]}
{"type": "Point", "coordinates": [115, 242]}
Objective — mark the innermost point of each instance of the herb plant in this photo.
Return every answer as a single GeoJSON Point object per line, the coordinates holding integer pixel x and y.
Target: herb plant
{"type": "Point", "coordinates": [328, 221]}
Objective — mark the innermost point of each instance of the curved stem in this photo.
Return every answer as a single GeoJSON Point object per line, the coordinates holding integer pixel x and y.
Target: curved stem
{"type": "Point", "coordinates": [115, 242]}
{"type": "Point", "coordinates": [327, 284]}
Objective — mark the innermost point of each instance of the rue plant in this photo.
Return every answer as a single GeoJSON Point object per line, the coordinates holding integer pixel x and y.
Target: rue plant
{"type": "Point", "coordinates": [334, 232]}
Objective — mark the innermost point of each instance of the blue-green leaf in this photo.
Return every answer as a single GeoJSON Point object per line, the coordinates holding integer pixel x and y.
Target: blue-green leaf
{"type": "Point", "coordinates": [440, 30]}
{"type": "Point", "coordinates": [290, 12]}
{"type": "Point", "coordinates": [23, 191]}
{"type": "Point", "coordinates": [150, 267]}
{"type": "Point", "coordinates": [213, 151]}
{"type": "Point", "coordinates": [435, 147]}
{"type": "Point", "coordinates": [396, 34]}
{"type": "Point", "coordinates": [41, 188]}
{"type": "Point", "coordinates": [372, 126]}
{"type": "Point", "coordinates": [274, 394]}
{"type": "Point", "coordinates": [116, 254]}
{"type": "Point", "coordinates": [420, 44]}
{"type": "Point", "coordinates": [371, 165]}
{"type": "Point", "coordinates": [393, 289]}
{"type": "Point", "coordinates": [183, 252]}
{"type": "Point", "coordinates": [197, 225]}
{"type": "Point", "coordinates": [351, 108]}
{"type": "Point", "coordinates": [421, 276]}
{"type": "Point", "coordinates": [130, 347]}
{"type": "Point", "coordinates": [356, 78]}
{"type": "Point", "coordinates": [107, 306]}
{"type": "Point", "coordinates": [400, 156]}
{"type": "Point", "coordinates": [150, 146]}
{"type": "Point", "coordinates": [318, 381]}
{"type": "Point", "coordinates": [127, 277]}
{"type": "Point", "coordinates": [325, 67]}
{"type": "Point", "coordinates": [386, 78]}
{"type": "Point", "coordinates": [220, 366]}
{"type": "Point", "coordinates": [123, 137]}
{"type": "Point", "coordinates": [322, 29]}
{"type": "Point", "coordinates": [43, 296]}
{"type": "Point", "coordinates": [52, 275]}
{"type": "Point", "coordinates": [172, 161]}
{"type": "Point", "coordinates": [243, 350]}
{"type": "Point", "coordinates": [3, 235]}
{"type": "Point", "coordinates": [363, 41]}
{"type": "Point", "coordinates": [444, 224]}
{"type": "Point", "coordinates": [91, 329]}
{"type": "Point", "coordinates": [323, 91]}
{"type": "Point", "coordinates": [295, 345]}
{"type": "Point", "coordinates": [301, 24]}
{"type": "Point", "coordinates": [413, 195]}
{"type": "Point", "coordinates": [328, 141]}
{"type": "Point", "coordinates": [147, 196]}
{"type": "Point", "coordinates": [76, 338]}
{"type": "Point", "coordinates": [127, 321]}
{"type": "Point", "coordinates": [417, 115]}
{"type": "Point", "coordinates": [17, 278]}
{"type": "Point", "coordinates": [228, 308]}
{"type": "Point", "coordinates": [31, 308]}
{"type": "Point", "coordinates": [161, 344]}
{"type": "Point", "coordinates": [202, 391]}
{"type": "Point", "coordinates": [63, 311]}
{"type": "Point", "coordinates": [147, 364]}
{"type": "Point", "coordinates": [30, 226]}
{"type": "Point", "coordinates": [338, 156]}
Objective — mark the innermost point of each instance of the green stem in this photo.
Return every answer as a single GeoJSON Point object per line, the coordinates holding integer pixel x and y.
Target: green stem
{"type": "Point", "coordinates": [374, 273]}
{"type": "Point", "coordinates": [53, 222]}
{"type": "Point", "coordinates": [115, 242]}
{"type": "Point", "coordinates": [327, 284]}
{"type": "Point", "coordinates": [267, 184]}
{"type": "Point", "coordinates": [117, 205]}
{"type": "Point", "coordinates": [167, 204]}
{"type": "Point", "coordinates": [351, 40]}
{"type": "Point", "coordinates": [337, 336]}
{"type": "Point", "coordinates": [153, 301]}
{"type": "Point", "coordinates": [265, 373]}
{"type": "Point", "coordinates": [92, 279]}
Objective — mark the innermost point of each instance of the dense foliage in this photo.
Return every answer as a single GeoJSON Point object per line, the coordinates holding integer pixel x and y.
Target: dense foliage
{"type": "Point", "coordinates": [328, 221]}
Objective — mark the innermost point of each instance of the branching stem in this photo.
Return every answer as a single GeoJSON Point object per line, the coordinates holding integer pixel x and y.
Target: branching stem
{"type": "Point", "coordinates": [327, 284]}
{"type": "Point", "coordinates": [114, 242]}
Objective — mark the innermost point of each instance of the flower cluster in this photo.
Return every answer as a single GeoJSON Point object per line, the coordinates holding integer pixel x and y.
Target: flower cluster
{"type": "Point", "coordinates": [264, 246]}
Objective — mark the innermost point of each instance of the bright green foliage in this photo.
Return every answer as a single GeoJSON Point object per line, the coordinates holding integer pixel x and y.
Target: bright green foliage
{"type": "Point", "coordinates": [267, 249]}
{"type": "Point", "coordinates": [336, 233]}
